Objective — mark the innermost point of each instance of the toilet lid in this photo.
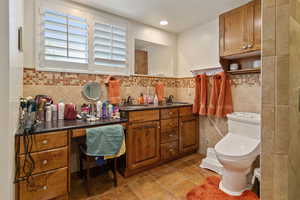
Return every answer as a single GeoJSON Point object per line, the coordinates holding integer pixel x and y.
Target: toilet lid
{"type": "Point", "coordinates": [236, 145]}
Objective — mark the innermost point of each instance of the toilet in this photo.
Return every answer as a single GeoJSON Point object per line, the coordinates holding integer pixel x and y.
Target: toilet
{"type": "Point", "coordinates": [238, 150]}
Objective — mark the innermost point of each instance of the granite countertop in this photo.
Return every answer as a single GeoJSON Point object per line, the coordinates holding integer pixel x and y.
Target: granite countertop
{"type": "Point", "coordinates": [152, 107]}
{"type": "Point", "coordinates": [62, 125]}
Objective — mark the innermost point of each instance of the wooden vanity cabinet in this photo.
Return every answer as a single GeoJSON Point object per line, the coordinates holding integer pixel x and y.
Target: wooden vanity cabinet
{"type": "Point", "coordinates": [240, 30]}
{"type": "Point", "coordinates": [143, 144]}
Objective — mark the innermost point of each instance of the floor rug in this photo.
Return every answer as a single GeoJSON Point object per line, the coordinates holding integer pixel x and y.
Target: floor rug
{"type": "Point", "coordinates": [210, 191]}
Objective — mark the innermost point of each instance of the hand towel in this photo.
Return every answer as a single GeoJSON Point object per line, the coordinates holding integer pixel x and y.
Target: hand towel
{"type": "Point", "coordinates": [105, 140]}
{"type": "Point", "coordinates": [113, 90]}
{"type": "Point", "coordinates": [159, 90]}
{"type": "Point", "coordinates": [200, 101]}
{"type": "Point", "coordinates": [225, 105]}
{"type": "Point", "coordinates": [214, 95]}
{"type": "Point", "coordinates": [220, 99]}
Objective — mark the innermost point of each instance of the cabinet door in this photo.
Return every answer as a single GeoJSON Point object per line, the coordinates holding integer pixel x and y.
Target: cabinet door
{"type": "Point", "coordinates": [253, 25]}
{"type": "Point", "coordinates": [189, 134]}
{"type": "Point", "coordinates": [143, 144]}
{"type": "Point", "coordinates": [232, 32]}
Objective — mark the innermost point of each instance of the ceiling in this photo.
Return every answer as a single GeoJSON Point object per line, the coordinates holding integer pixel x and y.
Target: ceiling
{"type": "Point", "coordinates": [181, 14]}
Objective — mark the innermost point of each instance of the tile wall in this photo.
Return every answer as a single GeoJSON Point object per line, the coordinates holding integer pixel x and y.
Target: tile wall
{"type": "Point", "coordinates": [67, 87]}
{"type": "Point", "coordinates": [276, 109]}
{"type": "Point", "coordinates": [294, 113]}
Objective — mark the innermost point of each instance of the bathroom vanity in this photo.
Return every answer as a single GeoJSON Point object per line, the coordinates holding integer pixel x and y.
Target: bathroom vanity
{"type": "Point", "coordinates": [154, 135]}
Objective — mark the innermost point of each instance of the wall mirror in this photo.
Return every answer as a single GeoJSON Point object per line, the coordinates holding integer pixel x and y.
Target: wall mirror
{"type": "Point", "coordinates": [153, 59]}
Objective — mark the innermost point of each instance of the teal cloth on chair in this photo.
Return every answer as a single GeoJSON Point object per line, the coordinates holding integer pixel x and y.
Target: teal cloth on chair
{"type": "Point", "coordinates": [105, 140]}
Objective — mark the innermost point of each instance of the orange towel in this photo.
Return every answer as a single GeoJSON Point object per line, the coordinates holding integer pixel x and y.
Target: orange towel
{"type": "Point", "coordinates": [225, 98]}
{"type": "Point", "coordinates": [220, 99]}
{"type": "Point", "coordinates": [214, 95]}
{"type": "Point", "coordinates": [200, 100]}
{"type": "Point", "coordinates": [160, 90]}
{"type": "Point", "coordinates": [113, 90]}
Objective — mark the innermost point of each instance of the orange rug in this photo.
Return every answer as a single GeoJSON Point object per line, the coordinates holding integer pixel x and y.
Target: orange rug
{"type": "Point", "coordinates": [210, 191]}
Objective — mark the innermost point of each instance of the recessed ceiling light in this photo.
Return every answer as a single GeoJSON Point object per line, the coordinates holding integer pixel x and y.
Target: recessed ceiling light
{"type": "Point", "coordinates": [164, 22]}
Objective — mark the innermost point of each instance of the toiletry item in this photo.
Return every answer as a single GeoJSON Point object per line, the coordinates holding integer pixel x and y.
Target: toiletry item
{"type": "Point", "coordinates": [61, 110]}
{"type": "Point", "coordinates": [48, 111]}
{"type": "Point", "coordinates": [104, 111]}
{"type": "Point", "coordinates": [54, 108]}
{"type": "Point", "coordinates": [41, 109]}
{"type": "Point", "coordinates": [99, 108]}
{"type": "Point", "coordinates": [70, 112]}
{"type": "Point", "coordinates": [234, 66]}
{"type": "Point", "coordinates": [155, 102]}
{"type": "Point", "coordinates": [110, 110]}
{"type": "Point", "coordinates": [257, 64]}
{"type": "Point", "coordinates": [141, 99]}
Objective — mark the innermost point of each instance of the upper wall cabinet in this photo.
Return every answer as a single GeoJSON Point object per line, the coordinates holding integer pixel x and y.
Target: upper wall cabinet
{"type": "Point", "coordinates": [240, 30]}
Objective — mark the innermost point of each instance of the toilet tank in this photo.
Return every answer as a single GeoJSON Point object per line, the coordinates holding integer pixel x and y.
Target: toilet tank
{"type": "Point", "coordinates": [244, 124]}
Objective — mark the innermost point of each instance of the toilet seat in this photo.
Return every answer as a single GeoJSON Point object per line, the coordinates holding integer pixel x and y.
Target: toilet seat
{"type": "Point", "coordinates": [243, 147]}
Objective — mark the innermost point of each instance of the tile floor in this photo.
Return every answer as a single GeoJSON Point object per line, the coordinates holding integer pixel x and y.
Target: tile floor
{"type": "Point", "coordinates": [167, 182]}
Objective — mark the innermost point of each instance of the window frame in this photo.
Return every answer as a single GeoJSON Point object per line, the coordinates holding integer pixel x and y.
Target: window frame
{"type": "Point", "coordinates": [91, 18]}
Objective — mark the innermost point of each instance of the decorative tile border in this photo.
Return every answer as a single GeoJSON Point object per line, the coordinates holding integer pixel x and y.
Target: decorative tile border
{"type": "Point", "coordinates": [33, 77]}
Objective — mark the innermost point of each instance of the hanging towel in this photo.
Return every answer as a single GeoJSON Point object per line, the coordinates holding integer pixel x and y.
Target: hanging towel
{"type": "Point", "coordinates": [113, 90]}
{"type": "Point", "coordinates": [225, 105]}
{"type": "Point", "coordinates": [160, 90]}
{"type": "Point", "coordinates": [200, 100]}
{"type": "Point", "coordinates": [214, 95]}
{"type": "Point", "coordinates": [220, 99]}
{"type": "Point", "coordinates": [105, 140]}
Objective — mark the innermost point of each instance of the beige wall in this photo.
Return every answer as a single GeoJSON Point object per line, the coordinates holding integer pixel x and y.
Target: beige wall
{"type": "Point", "coordinates": [276, 108]}
{"type": "Point", "coordinates": [294, 146]}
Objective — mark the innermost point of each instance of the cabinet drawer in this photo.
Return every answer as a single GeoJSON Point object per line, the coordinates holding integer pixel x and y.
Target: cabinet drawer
{"type": "Point", "coordinates": [168, 124]}
{"type": "Point", "coordinates": [168, 136]}
{"type": "Point", "coordinates": [143, 116]}
{"type": "Point", "coordinates": [46, 141]}
{"type": "Point", "coordinates": [47, 160]}
{"type": "Point", "coordinates": [168, 113]}
{"type": "Point", "coordinates": [184, 111]}
{"type": "Point", "coordinates": [169, 150]}
{"type": "Point", "coordinates": [46, 186]}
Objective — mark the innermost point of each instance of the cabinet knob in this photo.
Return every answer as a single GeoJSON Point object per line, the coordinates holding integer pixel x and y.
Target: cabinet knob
{"type": "Point", "coordinates": [170, 113]}
{"type": "Point", "coordinates": [45, 162]}
{"type": "Point", "coordinates": [249, 46]}
{"type": "Point", "coordinates": [45, 187]}
{"type": "Point", "coordinates": [45, 141]}
{"type": "Point", "coordinates": [244, 47]}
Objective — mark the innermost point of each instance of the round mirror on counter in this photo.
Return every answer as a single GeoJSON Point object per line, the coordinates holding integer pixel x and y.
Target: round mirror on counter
{"type": "Point", "coordinates": [92, 91]}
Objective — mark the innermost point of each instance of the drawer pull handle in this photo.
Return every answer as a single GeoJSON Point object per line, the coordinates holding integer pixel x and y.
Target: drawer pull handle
{"type": "Point", "coordinates": [45, 187]}
{"type": "Point", "coordinates": [45, 162]}
{"type": "Point", "coordinates": [45, 141]}
{"type": "Point", "coordinates": [170, 113]}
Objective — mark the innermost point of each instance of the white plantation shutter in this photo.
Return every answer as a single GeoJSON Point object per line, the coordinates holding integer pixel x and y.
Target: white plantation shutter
{"type": "Point", "coordinates": [110, 45]}
{"type": "Point", "coordinates": [64, 38]}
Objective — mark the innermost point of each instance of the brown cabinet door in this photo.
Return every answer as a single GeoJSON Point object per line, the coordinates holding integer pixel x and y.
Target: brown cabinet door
{"type": "Point", "coordinates": [232, 32]}
{"type": "Point", "coordinates": [240, 30]}
{"type": "Point", "coordinates": [143, 144]}
{"type": "Point", "coordinates": [253, 28]}
{"type": "Point", "coordinates": [189, 134]}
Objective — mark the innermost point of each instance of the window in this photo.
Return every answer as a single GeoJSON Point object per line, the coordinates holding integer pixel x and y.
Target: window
{"type": "Point", "coordinates": [110, 45]}
{"type": "Point", "coordinates": [72, 40]}
{"type": "Point", "coordinates": [65, 38]}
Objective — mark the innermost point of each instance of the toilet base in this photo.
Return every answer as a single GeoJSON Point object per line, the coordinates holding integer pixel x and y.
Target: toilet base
{"type": "Point", "coordinates": [234, 183]}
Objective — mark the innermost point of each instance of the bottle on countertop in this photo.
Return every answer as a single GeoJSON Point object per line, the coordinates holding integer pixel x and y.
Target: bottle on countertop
{"type": "Point", "coordinates": [54, 108]}
{"type": "Point", "coordinates": [48, 111]}
{"type": "Point", "coordinates": [155, 102]}
{"type": "Point", "coordinates": [104, 110]}
{"type": "Point", "coordinates": [141, 99]}
{"type": "Point", "coordinates": [61, 110]}
{"type": "Point", "coordinates": [110, 110]}
{"type": "Point", "coordinates": [99, 108]}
